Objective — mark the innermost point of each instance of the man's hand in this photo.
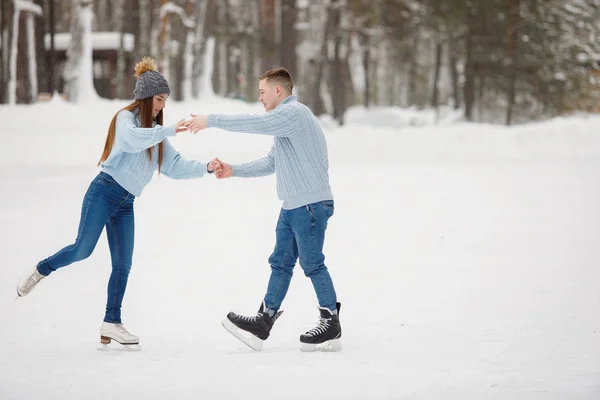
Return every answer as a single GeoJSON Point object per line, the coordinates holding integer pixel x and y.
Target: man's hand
{"type": "Point", "coordinates": [214, 166]}
{"type": "Point", "coordinates": [226, 170]}
{"type": "Point", "coordinates": [197, 123]}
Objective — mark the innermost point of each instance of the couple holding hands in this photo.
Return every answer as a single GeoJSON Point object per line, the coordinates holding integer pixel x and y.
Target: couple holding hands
{"type": "Point", "coordinates": [137, 145]}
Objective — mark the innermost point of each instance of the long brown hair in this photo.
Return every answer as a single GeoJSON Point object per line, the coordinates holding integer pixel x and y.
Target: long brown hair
{"type": "Point", "coordinates": [145, 109]}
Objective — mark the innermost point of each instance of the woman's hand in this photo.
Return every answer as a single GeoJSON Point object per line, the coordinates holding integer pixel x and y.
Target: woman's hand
{"type": "Point", "coordinates": [225, 172]}
{"type": "Point", "coordinates": [181, 126]}
{"type": "Point", "coordinates": [214, 166]}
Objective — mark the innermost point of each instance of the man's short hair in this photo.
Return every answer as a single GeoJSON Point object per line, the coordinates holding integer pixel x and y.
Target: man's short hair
{"type": "Point", "coordinates": [280, 76]}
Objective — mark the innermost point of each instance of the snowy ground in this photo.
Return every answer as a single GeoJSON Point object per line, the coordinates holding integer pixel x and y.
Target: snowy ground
{"type": "Point", "coordinates": [465, 256]}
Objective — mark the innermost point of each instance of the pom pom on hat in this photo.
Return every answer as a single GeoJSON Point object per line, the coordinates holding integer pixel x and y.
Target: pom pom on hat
{"type": "Point", "coordinates": [146, 64]}
{"type": "Point", "coordinates": [149, 81]}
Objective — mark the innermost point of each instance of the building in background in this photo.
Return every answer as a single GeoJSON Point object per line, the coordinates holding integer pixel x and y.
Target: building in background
{"type": "Point", "coordinates": [105, 47]}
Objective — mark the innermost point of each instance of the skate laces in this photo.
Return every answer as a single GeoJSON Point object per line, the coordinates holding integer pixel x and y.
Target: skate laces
{"type": "Point", "coordinates": [322, 327]}
{"type": "Point", "coordinates": [122, 329]}
{"type": "Point", "coordinates": [32, 279]}
{"type": "Point", "coordinates": [247, 318]}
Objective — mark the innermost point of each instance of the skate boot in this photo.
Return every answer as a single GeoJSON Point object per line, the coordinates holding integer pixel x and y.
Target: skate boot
{"type": "Point", "coordinates": [251, 330]}
{"type": "Point", "coordinates": [326, 336]}
{"type": "Point", "coordinates": [118, 333]}
{"type": "Point", "coordinates": [28, 282]}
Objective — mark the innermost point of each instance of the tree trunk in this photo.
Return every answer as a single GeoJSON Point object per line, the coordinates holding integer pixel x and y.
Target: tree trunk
{"type": "Point", "coordinates": [31, 59]}
{"type": "Point", "coordinates": [51, 55]}
{"type": "Point", "coordinates": [469, 87]}
{"type": "Point", "coordinates": [120, 15]}
{"type": "Point", "coordinates": [40, 49]}
{"type": "Point", "coordinates": [452, 60]}
{"type": "Point", "coordinates": [6, 21]}
{"type": "Point", "coordinates": [142, 41]}
{"type": "Point", "coordinates": [336, 71]}
{"type": "Point", "coordinates": [289, 36]}
{"type": "Point", "coordinates": [436, 75]}
{"type": "Point", "coordinates": [269, 35]}
{"type": "Point", "coordinates": [223, 46]}
{"type": "Point", "coordinates": [204, 15]}
{"type": "Point", "coordinates": [23, 87]}
{"type": "Point", "coordinates": [187, 56]}
{"type": "Point", "coordinates": [12, 58]}
{"type": "Point", "coordinates": [513, 39]}
{"type": "Point", "coordinates": [232, 56]}
{"type": "Point", "coordinates": [252, 58]}
{"type": "Point", "coordinates": [78, 73]}
{"type": "Point", "coordinates": [412, 74]}
{"type": "Point", "coordinates": [318, 105]}
{"type": "Point", "coordinates": [366, 65]}
{"type": "Point", "coordinates": [480, 100]}
{"type": "Point", "coordinates": [102, 13]}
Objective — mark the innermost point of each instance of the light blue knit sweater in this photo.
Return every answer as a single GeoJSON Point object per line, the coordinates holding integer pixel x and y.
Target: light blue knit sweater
{"type": "Point", "coordinates": [128, 162]}
{"type": "Point", "coordinates": [298, 156]}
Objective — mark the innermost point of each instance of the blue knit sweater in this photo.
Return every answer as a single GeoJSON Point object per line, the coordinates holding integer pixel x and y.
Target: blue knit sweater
{"type": "Point", "coordinates": [298, 156]}
{"type": "Point", "coordinates": [128, 162]}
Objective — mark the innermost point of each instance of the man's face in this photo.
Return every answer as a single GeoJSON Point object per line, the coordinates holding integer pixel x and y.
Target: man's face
{"type": "Point", "coordinates": [269, 94]}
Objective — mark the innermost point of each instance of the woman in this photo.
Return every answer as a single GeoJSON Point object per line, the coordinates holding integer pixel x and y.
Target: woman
{"type": "Point", "coordinates": [136, 146]}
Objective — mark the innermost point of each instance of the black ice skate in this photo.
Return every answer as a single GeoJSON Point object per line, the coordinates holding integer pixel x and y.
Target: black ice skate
{"type": "Point", "coordinates": [326, 336]}
{"type": "Point", "coordinates": [251, 330]}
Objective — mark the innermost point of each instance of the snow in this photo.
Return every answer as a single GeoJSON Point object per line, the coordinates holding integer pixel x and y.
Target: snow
{"type": "Point", "coordinates": [172, 8]}
{"type": "Point", "coordinates": [28, 6]}
{"type": "Point", "coordinates": [465, 257]}
{"type": "Point", "coordinates": [100, 41]}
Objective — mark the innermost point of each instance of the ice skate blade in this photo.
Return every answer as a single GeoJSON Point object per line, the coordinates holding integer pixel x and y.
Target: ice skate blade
{"type": "Point", "coordinates": [330, 345]}
{"type": "Point", "coordinates": [120, 347]}
{"type": "Point", "coordinates": [107, 340]}
{"type": "Point", "coordinates": [245, 337]}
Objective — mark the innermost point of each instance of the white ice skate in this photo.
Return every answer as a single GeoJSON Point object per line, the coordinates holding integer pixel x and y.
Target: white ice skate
{"type": "Point", "coordinates": [118, 333]}
{"type": "Point", "coordinates": [28, 282]}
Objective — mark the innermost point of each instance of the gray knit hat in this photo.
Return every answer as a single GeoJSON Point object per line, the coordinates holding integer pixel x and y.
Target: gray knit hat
{"type": "Point", "coordinates": [149, 81]}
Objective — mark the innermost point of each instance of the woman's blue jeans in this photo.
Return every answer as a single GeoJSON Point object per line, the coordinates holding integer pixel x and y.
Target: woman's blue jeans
{"type": "Point", "coordinates": [106, 203]}
{"type": "Point", "coordinates": [300, 233]}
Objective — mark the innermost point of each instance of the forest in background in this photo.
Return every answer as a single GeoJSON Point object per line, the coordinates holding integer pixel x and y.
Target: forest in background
{"type": "Point", "coordinates": [500, 61]}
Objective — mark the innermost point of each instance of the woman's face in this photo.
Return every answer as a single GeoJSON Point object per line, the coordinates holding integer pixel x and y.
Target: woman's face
{"type": "Point", "coordinates": [158, 103]}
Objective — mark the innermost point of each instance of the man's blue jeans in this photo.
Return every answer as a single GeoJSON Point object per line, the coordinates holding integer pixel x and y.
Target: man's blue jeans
{"type": "Point", "coordinates": [300, 234]}
{"type": "Point", "coordinates": [106, 203]}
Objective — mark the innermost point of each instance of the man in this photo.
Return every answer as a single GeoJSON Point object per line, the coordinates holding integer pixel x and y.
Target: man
{"type": "Point", "coordinates": [299, 160]}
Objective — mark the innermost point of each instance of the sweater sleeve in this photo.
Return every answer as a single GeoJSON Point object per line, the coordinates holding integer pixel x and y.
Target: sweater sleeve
{"type": "Point", "coordinates": [136, 139]}
{"type": "Point", "coordinates": [176, 167]}
{"type": "Point", "coordinates": [282, 121]}
{"type": "Point", "coordinates": [261, 167]}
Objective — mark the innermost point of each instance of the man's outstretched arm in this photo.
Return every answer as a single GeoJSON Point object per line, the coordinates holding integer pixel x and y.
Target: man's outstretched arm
{"type": "Point", "coordinates": [279, 122]}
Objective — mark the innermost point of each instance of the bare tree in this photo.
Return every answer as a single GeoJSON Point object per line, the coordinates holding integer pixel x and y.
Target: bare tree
{"type": "Point", "coordinates": [78, 73]}
{"type": "Point", "coordinates": [436, 75]}
{"type": "Point", "coordinates": [7, 10]}
{"type": "Point", "coordinates": [336, 72]}
{"type": "Point", "coordinates": [289, 36]}
{"type": "Point", "coordinates": [452, 61]}
{"type": "Point", "coordinates": [513, 39]}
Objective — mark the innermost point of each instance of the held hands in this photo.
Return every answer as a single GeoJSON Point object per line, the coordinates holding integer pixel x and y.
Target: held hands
{"type": "Point", "coordinates": [220, 168]}
{"type": "Point", "coordinates": [214, 167]}
{"type": "Point", "coordinates": [196, 123]}
{"type": "Point", "coordinates": [180, 126]}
